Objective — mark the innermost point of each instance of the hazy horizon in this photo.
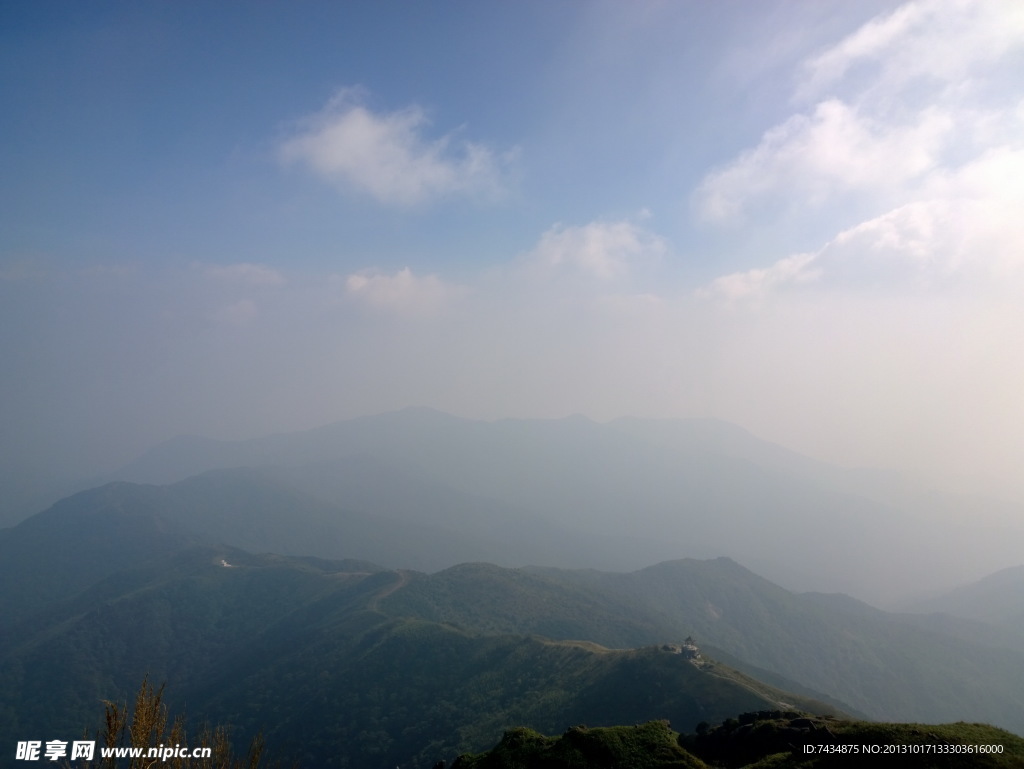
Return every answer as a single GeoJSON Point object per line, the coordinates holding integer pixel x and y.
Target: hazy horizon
{"type": "Point", "coordinates": [802, 218]}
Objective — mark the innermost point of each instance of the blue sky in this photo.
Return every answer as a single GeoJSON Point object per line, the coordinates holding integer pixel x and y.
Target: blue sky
{"type": "Point", "coordinates": [236, 218]}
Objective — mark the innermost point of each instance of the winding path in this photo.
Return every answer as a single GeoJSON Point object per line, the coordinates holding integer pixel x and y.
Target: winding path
{"type": "Point", "coordinates": [403, 579]}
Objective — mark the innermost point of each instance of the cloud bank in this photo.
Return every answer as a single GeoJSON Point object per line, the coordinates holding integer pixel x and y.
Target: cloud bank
{"type": "Point", "coordinates": [921, 127]}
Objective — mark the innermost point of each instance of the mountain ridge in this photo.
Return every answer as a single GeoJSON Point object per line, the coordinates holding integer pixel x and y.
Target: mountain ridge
{"type": "Point", "coordinates": [700, 486]}
{"type": "Point", "coordinates": [645, 490]}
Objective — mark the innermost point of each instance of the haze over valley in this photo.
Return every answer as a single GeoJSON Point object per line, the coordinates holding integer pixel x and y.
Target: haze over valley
{"type": "Point", "coordinates": [422, 489]}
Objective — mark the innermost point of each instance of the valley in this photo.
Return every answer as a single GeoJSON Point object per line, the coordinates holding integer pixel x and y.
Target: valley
{"type": "Point", "coordinates": [263, 600]}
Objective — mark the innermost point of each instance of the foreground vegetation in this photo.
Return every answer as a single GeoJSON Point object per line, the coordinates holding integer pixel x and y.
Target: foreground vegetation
{"type": "Point", "coordinates": [766, 739]}
{"type": "Point", "coordinates": [147, 725]}
{"type": "Point", "coordinates": [762, 740]}
{"type": "Point", "coordinates": [647, 746]}
{"type": "Point", "coordinates": [774, 740]}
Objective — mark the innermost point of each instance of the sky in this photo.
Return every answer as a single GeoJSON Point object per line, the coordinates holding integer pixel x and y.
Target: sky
{"type": "Point", "coordinates": [231, 219]}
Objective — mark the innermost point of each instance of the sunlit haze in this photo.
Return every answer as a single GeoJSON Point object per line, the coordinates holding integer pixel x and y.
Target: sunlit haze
{"type": "Point", "coordinates": [230, 219]}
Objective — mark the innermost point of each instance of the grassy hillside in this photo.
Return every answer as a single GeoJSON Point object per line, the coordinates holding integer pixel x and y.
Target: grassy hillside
{"type": "Point", "coordinates": [345, 661]}
{"type": "Point", "coordinates": [182, 619]}
{"type": "Point", "coordinates": [425, 692]}
{"type": "Point", "coordinates": [765, 740]}
{"type": "Point", "coordinates": [303, 650]}
{"type": "Point", "coordinates": [790, 741]}
{"type": "Point", "coordinates": [881, 664]}
{"type": "Point", "coordinates": [82, 539]}
{"type": "Point", "coordinates": [645, 746]}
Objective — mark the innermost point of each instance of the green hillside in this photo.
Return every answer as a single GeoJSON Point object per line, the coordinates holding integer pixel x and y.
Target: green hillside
{"type": "Point", "coordinates": [764, 740]}
{"type": "Point", "coordinates": [302, 650]}
{"type": "Point", "coordinates": [81, 539]}
{"type": "Point", "coordinates": [346, 663]}
{"type": "Point", "coordinates": [651, 745]}
{"type": "Point", "coordinates": [769, 740]}
{"type": "Point", "coordinates": [884, 665]}
{"type": "Point", "coordinates": [427, 691]}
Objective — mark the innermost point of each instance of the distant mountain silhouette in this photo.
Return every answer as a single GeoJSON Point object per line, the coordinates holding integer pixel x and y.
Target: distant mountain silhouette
{"type": "Point", "coordinates": [658, 489]}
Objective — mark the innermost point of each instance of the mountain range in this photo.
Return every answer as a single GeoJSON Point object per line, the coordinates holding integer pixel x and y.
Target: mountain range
{"type": "Point", "coordinates": [354, 595]}
{"type": "Point", "coordinates": [620, 495]}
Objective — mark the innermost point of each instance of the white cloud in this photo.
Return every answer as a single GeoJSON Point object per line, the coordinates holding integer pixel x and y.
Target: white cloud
{"type": "Point", "coordinates": [604, 250]}
{"type": "Point", "coordinates": [909, 95]}
{"type": "Point", "coordinates": [971, 234]}
{"type": "Point", "coordinates": [402, 293]}
{"type": "Point", "coordinates": [914, 157]}
{"type": "Point", "coordinates": [754, 284]}
{"type": "Point", "coordinates": [387, 156]}
{"type": "Point", "coordinates": [942, 41]}
{"type": "Point", "coordinates": [835, 149]}
{"type": "Point", "coordinates": [245, 274]}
